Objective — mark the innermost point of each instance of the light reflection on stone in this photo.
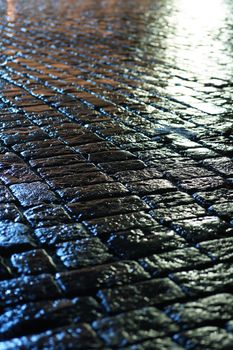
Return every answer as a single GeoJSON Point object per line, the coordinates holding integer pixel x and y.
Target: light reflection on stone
{"type": "Point", "coordinates": [196, 23]}
{"type": "Point", "coordinates": [193, 36]}
{"type": "Point", "coordinates": [11, 10]}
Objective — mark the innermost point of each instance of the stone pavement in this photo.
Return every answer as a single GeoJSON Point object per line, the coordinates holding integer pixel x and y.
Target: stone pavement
{"type": "Point", "coordinates": [116, 174]}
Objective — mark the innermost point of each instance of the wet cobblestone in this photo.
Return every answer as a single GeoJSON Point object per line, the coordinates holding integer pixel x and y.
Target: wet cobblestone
{"type": "Point", "coordinates": [116, 147]}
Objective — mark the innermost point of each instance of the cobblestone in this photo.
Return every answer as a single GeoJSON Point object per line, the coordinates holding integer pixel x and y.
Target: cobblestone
{"type": "Point", "coordinates": [211, 309]}
{"type": "Point", "coordinates": [32, 262]}
{"type": "Point", "coordinates": [56, 313]}
{"type": "Point", "coordinates": [207, 338]}
{"type": "Point", "coordinates": [116, 227]}
{"type": "Point", "coordinates": [78, 336]}
{"type": "Point", "coordinates": [83, 253]}
{"type": "Point", "coordinates": [60, 233]}
{"type": "Point", "coordinates": [149, 320]}
{"type": "Point", "coordinates": [14, 234]}
{"type": "Point", "coordinates": [206, 280]}
{"type": "Point", "coordinates": [153, 292]}
{"type": "Point", "coordinates": [31, 194]}
{"type": "Point", "coordinates": [141, 242]}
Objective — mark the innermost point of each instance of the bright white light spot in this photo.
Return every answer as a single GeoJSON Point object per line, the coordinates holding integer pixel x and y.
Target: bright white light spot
{"type": "Point", "coordinates": [196, 38]}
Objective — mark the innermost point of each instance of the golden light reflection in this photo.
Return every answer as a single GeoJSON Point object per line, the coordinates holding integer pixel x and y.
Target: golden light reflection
{"type": "Point", "coordinates": [11, 10]}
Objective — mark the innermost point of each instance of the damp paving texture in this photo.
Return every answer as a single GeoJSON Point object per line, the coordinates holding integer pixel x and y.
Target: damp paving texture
{"type": "Point", "coordinates": [116, 174]}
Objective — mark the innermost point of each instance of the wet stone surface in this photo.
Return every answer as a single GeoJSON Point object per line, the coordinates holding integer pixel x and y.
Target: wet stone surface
{"type": "Point", "coordinates": [91, 192]}
{"type": "Point", "coordinates": [32, 262]}
{"type": "Point", "coordinates": [206, 280]}
{"type": "Point", "coordinates": [211, 197]}
{"type": "Point", "coordinates": [134, 326]}
{"type": "Point", "coordinates": [75, 336]}
{"type": "Point", "coordinates": [180, 212]}
{"type": "Point", "coordinates": [60, 233]}
{"type": "Point", "coordinates": [213, 308]}
{"type": "Point", "coordinates": [156, 344]}
{"type": "Point", "coordinates": [207, 338]}
{"type": "Point", "coordinates": [58, 312]}
{"type": "Point", "coordinates": [153, 292]}
{"type": "Point", "coordinates": [83, 253]}
{"type": "Point", "coordinates": [45, 215]}
{"type": "Point", "coordinates": [5, 195]}
{"type": "Point", "coordinates": [102, 276]}
{"type": "Point", "coordinates": [24, 288]}
{"type": "Point", "coordinates": [116, 217]}
{"type": "Point", "coordinates": [199, 229]}
{"type": "Point", "coordinates": [30, 194]}
{"type": "Point", "coordinates": [103, 207]}
{"type": "Point", "coordinates": [179, 259]}
{"type": "Point", "coordinates": [14, 235]}
{"type": "Point", "coordinates": [142, 242]}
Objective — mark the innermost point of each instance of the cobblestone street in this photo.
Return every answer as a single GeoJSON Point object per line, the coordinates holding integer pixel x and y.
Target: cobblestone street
{"type": "Point", "coordinates": [116, 174]}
